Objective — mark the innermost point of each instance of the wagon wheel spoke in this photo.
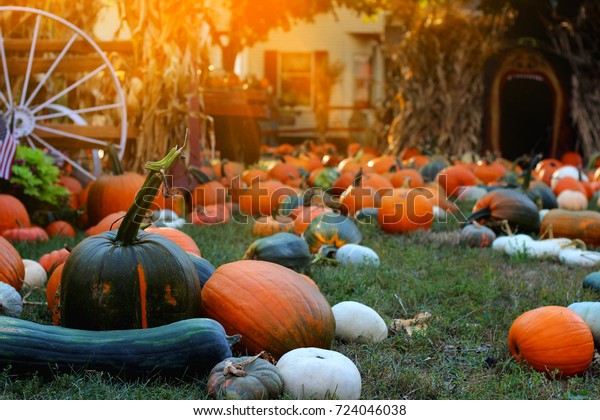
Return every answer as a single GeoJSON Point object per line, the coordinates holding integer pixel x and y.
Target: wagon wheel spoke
{"type": "Point", "coordinates": [69, 88]}
{"type": "Point", "coordinates": [36, 31]}
{"type": "Point", "coordinates": [72, 135]}
{"type": "Point", "coordinates": [76, 111]}
{"type": "Point", "coordinates": [47, 75]}
{"type": "Point", "coordinates": [7, 101]}
{"type": "Point", "coordinates": [59, 153]}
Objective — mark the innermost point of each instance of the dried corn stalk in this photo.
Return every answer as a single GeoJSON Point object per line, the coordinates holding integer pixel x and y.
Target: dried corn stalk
{"type": "Point", "coordinates": [169, 51]}
{"type": "Point", "coordinates": [579, 45]}
{"type": "Point", "coordinates": [437, 70]}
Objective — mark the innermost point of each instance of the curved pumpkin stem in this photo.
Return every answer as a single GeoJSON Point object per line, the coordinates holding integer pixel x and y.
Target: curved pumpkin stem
{"type": "Point", "coordinates": [527, 177]}
{"type": "Point", "coordinates": [237, 369]}
{"type": "Point", "coordinates": [358, 178]}
{"type": "Point", "coordinates": [480, 214]}
{"type": "Point", "coordinates": [198, 175]}
{"type": "Point", "coordinates": [134, 217]}
{"type": "Point", "coordinates": [115, 163]}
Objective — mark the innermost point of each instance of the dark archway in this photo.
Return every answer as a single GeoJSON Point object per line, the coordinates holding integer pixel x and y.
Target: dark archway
{"type": "Point", "coordinates": [526, 113]}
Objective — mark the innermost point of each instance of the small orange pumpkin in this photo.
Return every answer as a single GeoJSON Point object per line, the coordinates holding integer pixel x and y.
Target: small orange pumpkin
{"type": "Point", "coordinates": [179, 237]}
{"type": "Point", "coordinates": [405, 213]}
{"type": "Point", "coordinates": [268, 225]}
{"type": "Point", "coordinates": [60, 228]}
{"type": "Point", "coordinates": [552, 338]}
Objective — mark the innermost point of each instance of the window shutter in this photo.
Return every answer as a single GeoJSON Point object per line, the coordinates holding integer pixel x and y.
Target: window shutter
{"type": "Point", "coordinates": [321, 61]}
{"type": "Point", "coordinates": [271, 69]}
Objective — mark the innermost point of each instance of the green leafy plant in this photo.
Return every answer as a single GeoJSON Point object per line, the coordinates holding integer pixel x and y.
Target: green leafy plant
{"type": "Point", "coordinates": [35, 174]}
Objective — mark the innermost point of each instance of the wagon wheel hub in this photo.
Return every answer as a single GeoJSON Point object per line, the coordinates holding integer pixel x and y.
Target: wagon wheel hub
{"type": "Point", "coordinates": [23, 122]}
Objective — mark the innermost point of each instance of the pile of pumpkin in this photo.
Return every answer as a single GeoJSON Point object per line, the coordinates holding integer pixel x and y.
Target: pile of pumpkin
{"type": "Point", "coordinates": [185, 315]}
{"type": "Point", "coordinates": [127, 292]}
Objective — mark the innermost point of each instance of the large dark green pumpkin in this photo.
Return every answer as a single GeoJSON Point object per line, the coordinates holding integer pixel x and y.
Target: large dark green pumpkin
{"type": "Point", "coordinates": [282, 248]}
{"type": "Point", "coordinates": [331, 229]}
{"type": "Point", "coordinates": [106, 286]}
{"type": "Point", "coordinates": [130, 278]}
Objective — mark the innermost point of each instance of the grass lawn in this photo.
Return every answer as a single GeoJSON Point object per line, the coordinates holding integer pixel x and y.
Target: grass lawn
{"type": "Point", "coordinates": [473, 296]}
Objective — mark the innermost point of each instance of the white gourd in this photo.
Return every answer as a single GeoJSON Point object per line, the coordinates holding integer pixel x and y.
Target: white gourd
{"type": "Point", "coordinates": [315, 373]}
{"type": "Point", "coordinates": [519, 244]}
{"type": "Point", "coordinates": [590, 312]}
{"type": "Point", "coordinates": [579, 257]}
{"type": "Point", "coordinates": [11, 303]}
{"type": "Point", "coordinates": [35, 274]}
{"type": "Point", "coordinates": [500, 243]}
{"type": "Point", "coordinates": [353, 254]}
{"type": "Point", "coordinates": [549, 248]}
{"type": "Point", "coordinates": [356, 322]}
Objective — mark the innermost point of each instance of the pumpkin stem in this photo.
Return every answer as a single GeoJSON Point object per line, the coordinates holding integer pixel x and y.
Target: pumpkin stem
{"type": "Point", "coordinates": [357, 178]}
{"type": "Point", "coordinates": [115, 163]}
{"type": "Point", "coordinates": [134, 217]}
{"type": "Point", "coordinates": [237, 369]}
{"type": "Point", "coordinates": [198, 175]}
{"type": "Point", "coordinates": [480, 214]}
{"type": "Point", "coordinates": [527, 177]}
{"type": "Point", "coordinates": [505, 227]}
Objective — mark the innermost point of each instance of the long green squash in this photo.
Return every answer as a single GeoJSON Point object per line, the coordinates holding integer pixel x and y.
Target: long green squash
{"type": "Point", "coordinates": [189, 347]}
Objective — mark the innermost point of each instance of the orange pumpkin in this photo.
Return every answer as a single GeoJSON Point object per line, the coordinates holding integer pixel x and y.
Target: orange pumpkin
{"type": "Point", "coordinates": [268, 225]}
{"type": "Point", "coordinates": [53, 259]}
{"type": "Point", "coordinates": [211, 192]}
{"type": "Point", "coordinates": [53, 293]}
{"type": "Point", "coordinates": [12, 213]}
{"type": "Point", "coordinates": [179, 237]}
{"type": "Point", "coordinates": [455, 176]}
{"type": "Point", "coordinates": [12, 269]}
{"type": "Point", "coordinates": [273, 308]}
{"type": "Point", "coordinates": [112, 193]}
{"type": "Point", "coordinates": [109, 222]}
{"type": "Point", "coordinates": [262, 198]}
{"type": "Point", "coordinates": [552, 338]}
{"type": "Point", "coordinates": [213, 214]}
{"type": "Point", "coordinates": [405, 213]}
{"type": "Point", "coordinates": [573, 224]}
{"type": "Point", "coordinates": [60, 228]}
{"type": "Point", "coordinates": [26, 234]}
{"type": "Point", "coordinates": [399, 178]}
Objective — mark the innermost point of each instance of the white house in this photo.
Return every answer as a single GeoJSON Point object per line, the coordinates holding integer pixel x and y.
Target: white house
{"type": "Point", "coordinates": [293, 60]}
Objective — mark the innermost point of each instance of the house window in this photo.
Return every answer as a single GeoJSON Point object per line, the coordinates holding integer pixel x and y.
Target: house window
{"type": "Point", "coordinates": [296, 77]}
{"type": "Point", "coordinates": [363, 79]}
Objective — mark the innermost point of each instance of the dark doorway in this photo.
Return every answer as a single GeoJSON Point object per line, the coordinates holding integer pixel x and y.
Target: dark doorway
{"type": "Point", "coordinates": [526, 117]}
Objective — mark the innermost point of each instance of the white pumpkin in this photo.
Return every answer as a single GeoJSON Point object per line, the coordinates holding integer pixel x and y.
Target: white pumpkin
{"type": "Point", "coordinates": [590, 312]}
{"type": "Point", "coordinates": [356, 322]}
{"type": "Point", "coordinates": [177, 223]}
{"type": "Point", "coordinates": [549, 248]}
{"type": "Point", "coordinates": [579, 257]}
{"type": "Point", "coordinates": [439, 214]}
{"type": "Point", "coordinates": [353, 254]}
{"type": "Point", "coordinates": [519, 244]}
{"type": "Point", "coordinates": [11, 303]}
{"type": "Point", "coordinates": [314, 373]}
{"type": "Point", "coordinates": [470, 193]}
{"type": "Point", "coordinates": [572, 200]}
{"type": "Point", "coordinates": [542, 213]}
{"type": "Point", "coordinates": [499, 243]}
{"type": "Point", "coordinates": [35, 274]}
{"type": "Point", "coordinates": [165, 215]}
{"type": "Point", "coordinates": [567, 171]}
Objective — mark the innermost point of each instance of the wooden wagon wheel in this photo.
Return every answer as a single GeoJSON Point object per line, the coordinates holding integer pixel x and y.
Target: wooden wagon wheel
{"type": "Point", "coordinates": [58, 90]}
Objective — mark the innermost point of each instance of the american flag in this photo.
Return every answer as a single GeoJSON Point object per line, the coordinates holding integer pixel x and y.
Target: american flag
{"type": "Point", "coordinates": [8, 148]}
